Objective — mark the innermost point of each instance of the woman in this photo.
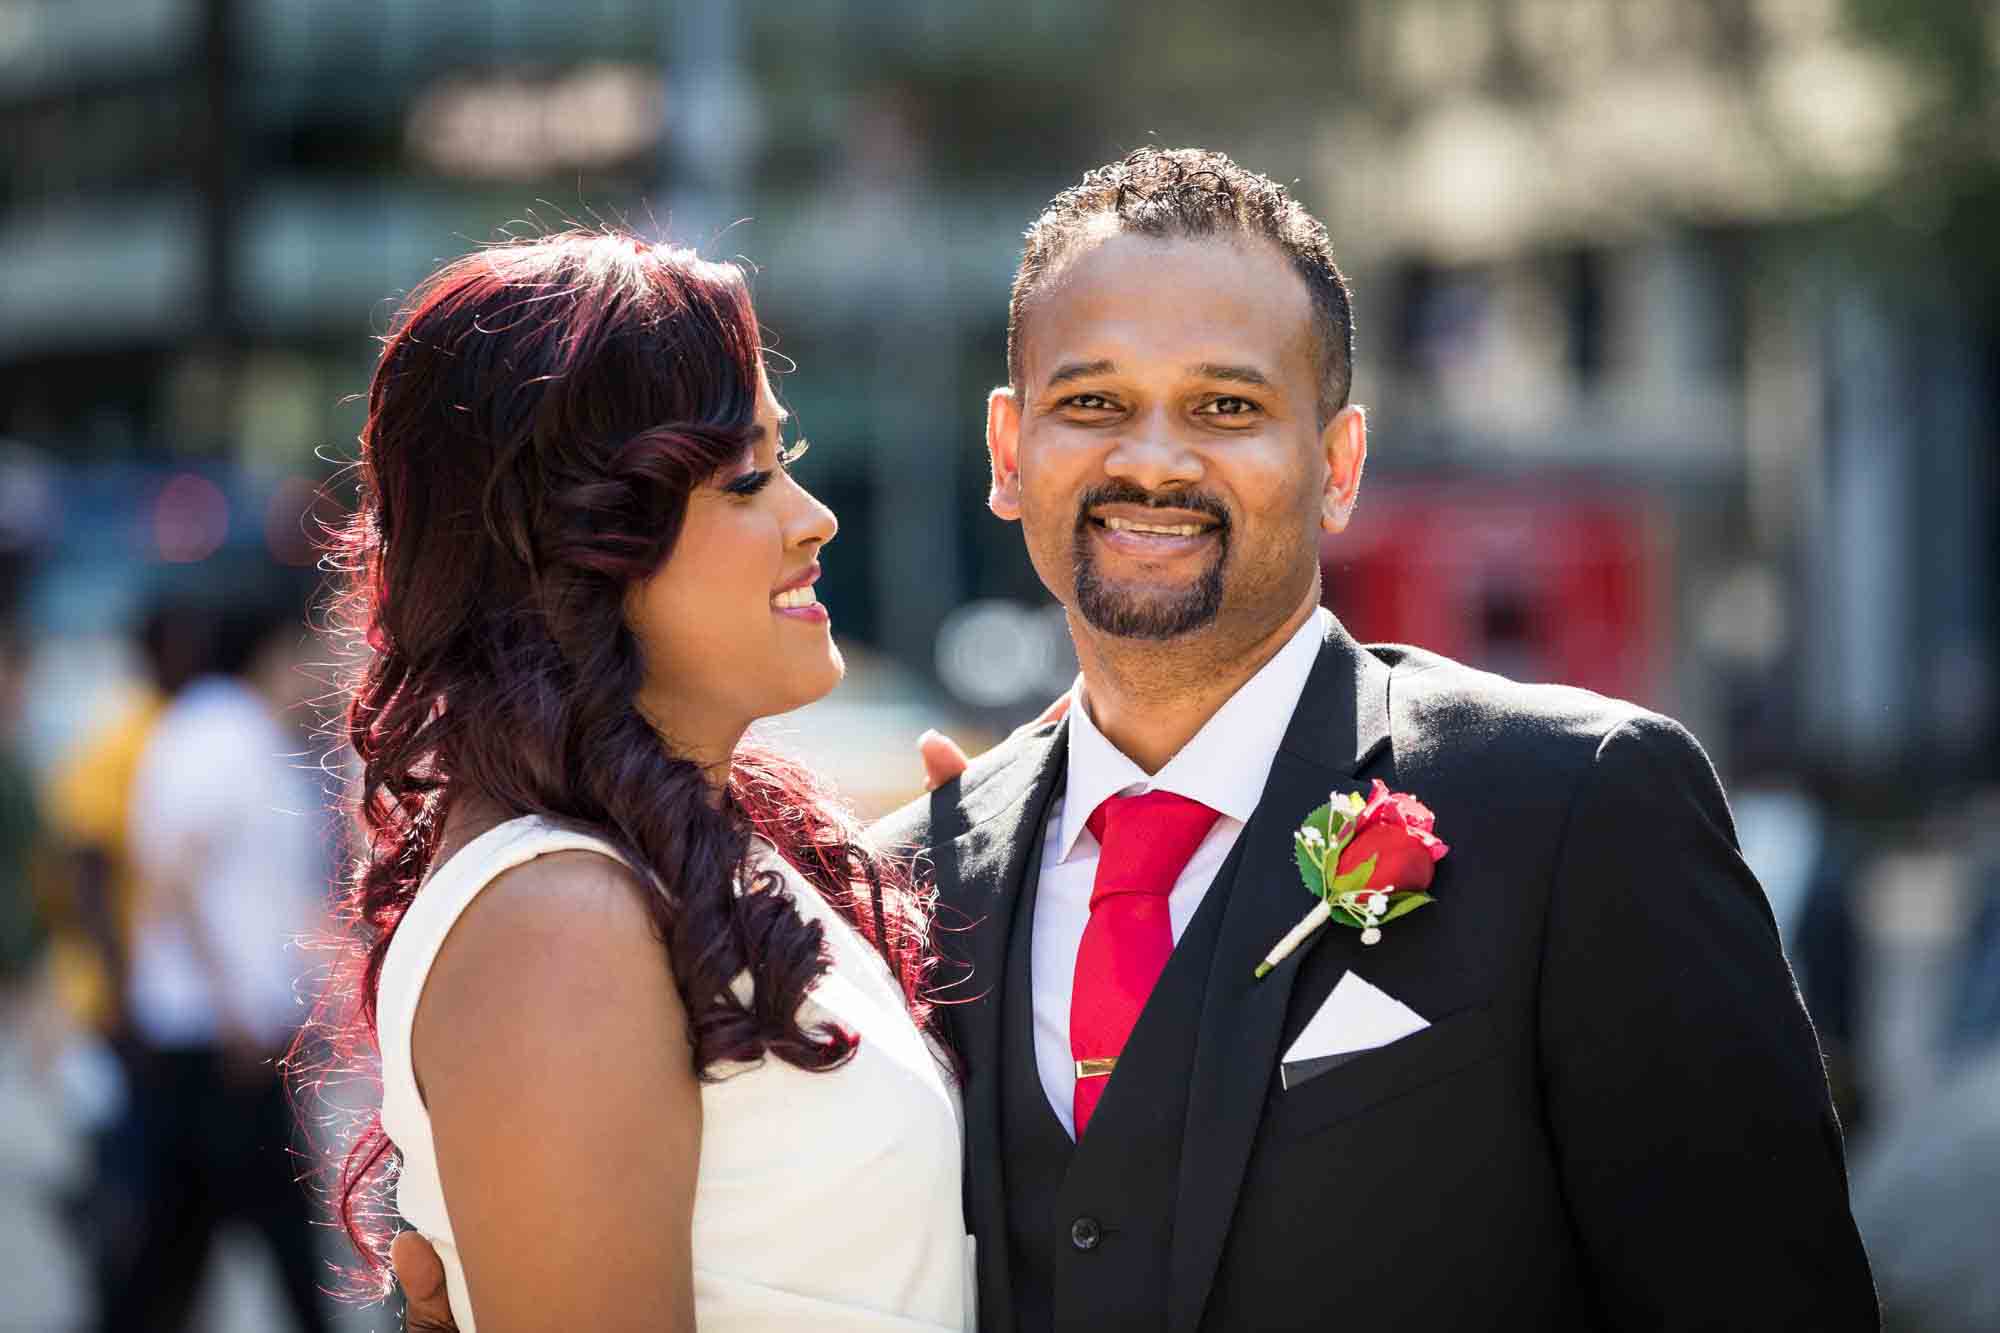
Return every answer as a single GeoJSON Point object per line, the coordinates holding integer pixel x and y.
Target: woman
{"type": "Point", "coordinates": [650, 1020]}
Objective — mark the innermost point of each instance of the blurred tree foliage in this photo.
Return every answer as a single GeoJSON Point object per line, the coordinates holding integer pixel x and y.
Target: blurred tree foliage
{"type": "Point", "coordinates": [1942, 202]}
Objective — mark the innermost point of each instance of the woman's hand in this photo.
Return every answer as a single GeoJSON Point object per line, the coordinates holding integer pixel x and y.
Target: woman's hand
{"type": "Point", "coordinates": [420, 1273]}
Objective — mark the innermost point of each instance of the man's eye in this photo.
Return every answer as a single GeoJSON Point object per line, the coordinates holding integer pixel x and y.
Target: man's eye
{"type": "Point", "coordinates": [1090, 402]}
{"type": "Point", "coordinates": [1229, 406]}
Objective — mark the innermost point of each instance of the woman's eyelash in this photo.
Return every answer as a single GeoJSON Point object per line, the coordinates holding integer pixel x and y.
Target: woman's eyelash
{"type": "Point", "coordinates": [750, 482]}
{"type": "Point", "coordinates": [757, 479]}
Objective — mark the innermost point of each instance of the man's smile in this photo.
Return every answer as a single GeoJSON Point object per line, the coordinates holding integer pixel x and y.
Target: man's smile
{"type": "Point", "coordinates": [1152, 534]}
{"type": "Point", "coordinates": [1169, 530]}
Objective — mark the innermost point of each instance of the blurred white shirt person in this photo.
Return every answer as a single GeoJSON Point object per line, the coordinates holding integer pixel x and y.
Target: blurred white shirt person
{"type": "Point", "coordinates": [226, 829]}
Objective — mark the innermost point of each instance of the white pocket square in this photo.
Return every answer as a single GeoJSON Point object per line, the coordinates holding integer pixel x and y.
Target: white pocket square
{"type": "Point", "coordinates": [1355, 1017]}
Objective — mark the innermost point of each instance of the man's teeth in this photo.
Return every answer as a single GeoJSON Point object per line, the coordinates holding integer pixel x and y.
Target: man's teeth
{"type": "Point", "coordinates": [1164, 529]}
{"type": "Point", "coordinates": [795, 598]}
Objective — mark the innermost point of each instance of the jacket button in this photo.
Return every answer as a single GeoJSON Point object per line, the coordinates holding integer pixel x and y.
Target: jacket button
{"type": "Point", "coordinates": [1084, 1233]}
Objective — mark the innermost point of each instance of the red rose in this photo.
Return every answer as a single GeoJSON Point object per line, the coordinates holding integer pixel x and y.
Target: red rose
{"type": "Point", "coordinates": [1395, 829]}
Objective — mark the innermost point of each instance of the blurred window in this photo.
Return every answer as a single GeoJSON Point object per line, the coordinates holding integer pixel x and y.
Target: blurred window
{"type": "Point", "coordinates": [107, 141]}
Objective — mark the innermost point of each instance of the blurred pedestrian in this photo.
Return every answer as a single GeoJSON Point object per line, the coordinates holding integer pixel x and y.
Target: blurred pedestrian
{"type": "Point", "coordinates": [1925, 1196]}
{"type": "Point", "coordinates": [22, 924]}
{"type": "Point", "coordinates": [1972, 1018]}
{"type": "Point", "coordinates": [1805, 856]}
{"type": "Point", "coordinates": [88, 799]}
{"type": "Point", "coordinates": [225, 830]}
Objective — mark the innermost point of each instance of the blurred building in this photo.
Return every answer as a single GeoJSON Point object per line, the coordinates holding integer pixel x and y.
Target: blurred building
{"type": "Point", "coordinates": [1612, 258]}
{"type": "Point", "coordinates": [1651, 412]}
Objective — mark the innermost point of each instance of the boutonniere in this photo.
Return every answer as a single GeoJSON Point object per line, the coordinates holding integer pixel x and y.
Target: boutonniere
{"type": "Point", "coordinates": [1366, 861]}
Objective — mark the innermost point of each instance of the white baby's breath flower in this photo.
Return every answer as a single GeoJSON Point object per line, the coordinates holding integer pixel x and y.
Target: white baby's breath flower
{"type": "Point", "coordinates": [1312, 837]}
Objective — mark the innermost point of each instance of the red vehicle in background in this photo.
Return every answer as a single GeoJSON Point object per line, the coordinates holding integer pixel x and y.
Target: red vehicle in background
{"type": "Point", "coordinates": [1540, 584]}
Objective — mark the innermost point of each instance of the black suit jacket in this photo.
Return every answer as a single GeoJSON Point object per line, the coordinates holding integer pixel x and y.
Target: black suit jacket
{"type": "Point", "coordinates": [1617, 1117]}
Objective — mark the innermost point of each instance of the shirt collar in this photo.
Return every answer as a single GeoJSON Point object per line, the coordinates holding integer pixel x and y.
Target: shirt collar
{"type": "Point", "coordinates": [1224, 765]}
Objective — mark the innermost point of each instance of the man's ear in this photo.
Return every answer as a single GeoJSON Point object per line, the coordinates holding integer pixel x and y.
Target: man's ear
{"type": "Point", "coordinates": [1345, 442]}
{"type": "Point", "coordinates": [1003, 448]}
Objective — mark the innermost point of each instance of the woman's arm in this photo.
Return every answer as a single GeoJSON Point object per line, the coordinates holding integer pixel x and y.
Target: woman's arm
{"type": "Point", "coordinates": [552, 1050]}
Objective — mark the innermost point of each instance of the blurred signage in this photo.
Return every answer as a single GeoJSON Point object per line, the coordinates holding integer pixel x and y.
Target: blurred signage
{"type": "Point", "coordinates": [1539, 582]}
{"type": "Point", "coordinates": [514, 125]}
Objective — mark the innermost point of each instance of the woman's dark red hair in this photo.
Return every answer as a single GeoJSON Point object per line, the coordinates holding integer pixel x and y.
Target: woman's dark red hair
{"type": "Point", "coordinates": [539, 415]}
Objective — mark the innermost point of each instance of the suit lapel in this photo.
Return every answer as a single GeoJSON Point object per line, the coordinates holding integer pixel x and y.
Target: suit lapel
{"type": "Point", "coordinates": [979, 873]}
{"type": "Point", "coordinates": [1342, 721]}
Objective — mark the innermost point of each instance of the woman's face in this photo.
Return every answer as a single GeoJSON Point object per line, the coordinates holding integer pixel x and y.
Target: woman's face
{"type": "Point", "coordinates": [729, 626]}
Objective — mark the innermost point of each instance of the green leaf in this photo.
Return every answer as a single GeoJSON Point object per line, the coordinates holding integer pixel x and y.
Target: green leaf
{"type": "Point", "coordinates": [1345, 917]}
{"type": "Point", "coordinates": [1402, 903]}
{"type": "Point", "coordinates": [1312, 861]}
{"type": "Point", "coordinates": [1356, 878]}
{"type": "Point", "coordinates": [1309, 869]}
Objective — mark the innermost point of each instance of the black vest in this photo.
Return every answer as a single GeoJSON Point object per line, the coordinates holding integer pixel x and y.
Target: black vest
{"type": "Point", "coordinates": [1090, 1226]}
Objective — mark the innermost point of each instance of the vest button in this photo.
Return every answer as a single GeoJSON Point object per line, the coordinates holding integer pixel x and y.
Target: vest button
{"type": "Point", "coordinates": [1084, 1233]}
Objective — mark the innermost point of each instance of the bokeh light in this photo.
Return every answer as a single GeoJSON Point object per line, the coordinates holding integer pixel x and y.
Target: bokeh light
{"type": "Point", "coordinates": [190, 519]}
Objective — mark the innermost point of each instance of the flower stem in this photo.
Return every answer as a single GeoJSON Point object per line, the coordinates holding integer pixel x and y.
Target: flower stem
{"type": "Point", "coordinates": [1319, 916]}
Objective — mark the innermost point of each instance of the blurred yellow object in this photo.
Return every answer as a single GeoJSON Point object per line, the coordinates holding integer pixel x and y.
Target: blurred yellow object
{"type": "Point", "coordinates": [87, 800]}
{"type": "Point", "coordinates": [77, 971]}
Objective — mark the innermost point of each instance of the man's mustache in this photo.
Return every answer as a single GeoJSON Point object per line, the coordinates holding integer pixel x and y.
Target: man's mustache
{"type": "Point", "coordinates": [1125, 493]}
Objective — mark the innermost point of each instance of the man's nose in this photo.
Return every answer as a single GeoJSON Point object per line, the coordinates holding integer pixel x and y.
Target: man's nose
{"type": "Point", "coordinates": [1153, 456]}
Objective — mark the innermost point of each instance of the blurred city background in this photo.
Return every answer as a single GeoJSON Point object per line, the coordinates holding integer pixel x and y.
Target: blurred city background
{"type": "Point", "coordinates": [1677, 326]}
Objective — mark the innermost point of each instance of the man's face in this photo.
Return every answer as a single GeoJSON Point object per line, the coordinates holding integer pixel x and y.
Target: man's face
{"type": "Point", "coordinates": [1163, 452]}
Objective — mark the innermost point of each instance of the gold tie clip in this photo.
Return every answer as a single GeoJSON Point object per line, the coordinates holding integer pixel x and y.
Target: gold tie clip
{"type": "Point", "coordinates": [1095, 1068]}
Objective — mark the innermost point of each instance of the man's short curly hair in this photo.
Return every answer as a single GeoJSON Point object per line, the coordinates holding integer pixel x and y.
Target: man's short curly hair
{"type": "Point", "coordinates": [1174, 193]}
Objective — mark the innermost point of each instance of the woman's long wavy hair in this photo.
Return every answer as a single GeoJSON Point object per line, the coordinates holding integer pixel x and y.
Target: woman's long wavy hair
{"type": "Point", "coordinates": [538, 417]}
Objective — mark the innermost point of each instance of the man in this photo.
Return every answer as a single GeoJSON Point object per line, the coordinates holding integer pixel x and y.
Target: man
{"type": "Point", "coordinates": [89, 801]}
{"type": "Point", "coordinates": [1576, 1091]}
{"type": "Point", "coordinates": [227, 835]}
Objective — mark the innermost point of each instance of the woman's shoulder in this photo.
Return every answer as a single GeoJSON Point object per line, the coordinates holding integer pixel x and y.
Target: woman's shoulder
{"type": "Point", "coordinates": [565, 892]}
{"type": "Point", "coordinates": [524, 899]}
{"type": "Point", "coordinates": [534, 883]}
{"type": "Point", "coordinates": [551, 1054]}
{"type": "Point", "coordinates": [550, 944]}
{"type": "Point", "coordinates": [551, 930]}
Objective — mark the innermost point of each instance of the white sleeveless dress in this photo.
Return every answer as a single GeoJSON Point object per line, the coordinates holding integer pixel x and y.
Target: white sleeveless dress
{"type": "Point", "coordinates": [824, 1201]}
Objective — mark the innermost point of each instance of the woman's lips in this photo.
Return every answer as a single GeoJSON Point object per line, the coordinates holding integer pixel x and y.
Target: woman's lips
{"type": "Point", "coordinates": [800, 602]}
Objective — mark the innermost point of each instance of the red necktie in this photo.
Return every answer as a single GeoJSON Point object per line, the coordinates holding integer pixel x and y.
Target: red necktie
{"type": "Point", "coordinates": [1143, 843]}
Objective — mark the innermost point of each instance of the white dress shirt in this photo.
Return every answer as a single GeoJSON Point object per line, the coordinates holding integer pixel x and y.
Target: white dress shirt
{"type": "Point", "coordinates": [1224, 767]}
{"type": "Point", "coordinates": [224, 799]}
